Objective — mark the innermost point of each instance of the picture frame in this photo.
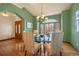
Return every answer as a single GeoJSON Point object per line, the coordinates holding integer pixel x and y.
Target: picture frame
{"type": "Point", "coordinates": [29, 25]}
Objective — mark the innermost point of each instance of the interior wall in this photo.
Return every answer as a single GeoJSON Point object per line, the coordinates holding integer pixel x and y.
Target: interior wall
{"type": "Point", "coordinates": [66, 25]}
{"type": "Point", "coordinates": [23, 13]}
{"type": "Point", "coordinates": [34, 23]}
{"type": "Point", "coordinates": [64, 19]}
{"type": "Point", "coordinates": [74, 33]}
{"type": "Point", "coordinates": [7, 27]}
{"type": "Point", "coordinates": [65, 22]}
{"type": "Point", "coordinates": [56, 17]}
{"type": "Point", "coordinates": [69, 25]}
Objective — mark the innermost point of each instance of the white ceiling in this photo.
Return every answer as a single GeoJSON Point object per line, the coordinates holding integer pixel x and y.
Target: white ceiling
{"type": "Point", "coordinates": [9, 14]}
{"type": "Point", "coordinates": [48, 8]}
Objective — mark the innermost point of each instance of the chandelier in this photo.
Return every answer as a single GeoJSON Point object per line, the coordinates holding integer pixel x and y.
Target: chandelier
{"type": "Point", "coordinates": [42, 17]}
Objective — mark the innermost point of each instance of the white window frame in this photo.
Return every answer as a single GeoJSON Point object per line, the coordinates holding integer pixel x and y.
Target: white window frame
{"type": "Point", "coordinates": [77, 21]}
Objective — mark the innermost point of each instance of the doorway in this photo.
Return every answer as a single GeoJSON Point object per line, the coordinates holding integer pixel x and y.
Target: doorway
{"type": "Point", "coordinates": [18, 29]}
{"type": "Point", "coordinates": [10, 34]}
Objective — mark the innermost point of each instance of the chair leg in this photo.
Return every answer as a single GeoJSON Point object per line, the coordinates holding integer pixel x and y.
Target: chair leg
{"type": "Point", "coordinates": [25, 53]}
{"type": "Point", "coordinates": [60, 53]}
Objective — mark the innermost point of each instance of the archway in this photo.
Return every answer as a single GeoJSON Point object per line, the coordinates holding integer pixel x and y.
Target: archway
{"type": "Point", "coordinates": [24, 15]}
{"type": "Point", "coordinates": [8, 7]}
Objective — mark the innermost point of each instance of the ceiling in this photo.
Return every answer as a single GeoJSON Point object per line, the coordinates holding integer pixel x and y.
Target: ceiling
{"type": "Point", "coordinates": [9, 14]}
{"type": "Point", "coordinates": [47, 8]}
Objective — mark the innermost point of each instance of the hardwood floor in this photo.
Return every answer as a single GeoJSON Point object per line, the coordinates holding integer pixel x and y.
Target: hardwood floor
{"type": "Point", "coordinates": [69, 50]}
{"type": "Point", "coordinates": [10, 48]}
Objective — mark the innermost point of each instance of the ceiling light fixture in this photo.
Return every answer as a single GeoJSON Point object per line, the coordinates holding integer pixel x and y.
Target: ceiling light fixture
{"type": "Point", "coordinates": [42, 17]}
{"type": "Point", "coordinates": [4, 14]}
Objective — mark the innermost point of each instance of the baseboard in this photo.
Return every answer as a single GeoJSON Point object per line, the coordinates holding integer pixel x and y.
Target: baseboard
{"type": "Point", "coordinates": [71, 45]}
{"type": "Point", "coordinates": [66, 42]}
{"type": "Point", "coordinates": [8, 39]}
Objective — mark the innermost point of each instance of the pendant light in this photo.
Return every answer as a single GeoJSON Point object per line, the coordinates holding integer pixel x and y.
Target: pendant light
{"type": "Point", "coordinates": [42, 17]}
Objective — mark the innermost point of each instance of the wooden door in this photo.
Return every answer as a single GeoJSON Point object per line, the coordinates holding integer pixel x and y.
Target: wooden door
{"type": "Point", "coordinates": [18, 29]}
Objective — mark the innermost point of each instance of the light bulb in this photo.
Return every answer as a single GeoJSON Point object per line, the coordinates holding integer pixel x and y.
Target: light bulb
{"type": "Point", "coordinates": [46, 18]}
{"type": "Point", "coordinates": [38, 17]}
{"type": "Point", "coordinates": [42, 16]}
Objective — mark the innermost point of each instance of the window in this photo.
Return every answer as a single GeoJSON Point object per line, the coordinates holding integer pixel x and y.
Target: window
{"type": "Point", "coordinates": [77, 20]}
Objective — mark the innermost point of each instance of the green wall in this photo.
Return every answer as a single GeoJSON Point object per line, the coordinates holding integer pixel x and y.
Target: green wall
{"type": "Point", "coordinates": [57, 17]}
{"type": "Point", "coordinates": [30, 18]}
{"type": "Point", "coordinates": [64, 19]}
{"type": "Point", "coordinates": [74, 33]}
{"type": "Point", "coordinates": [24, 14]}
{"type": "Point", "coordinates": [67, 19]}
{"type": "Point", "coordinates": [34, 23]}
{"type": "Point", "coordinates": [66, 25]}
{"type": "Point", "coordinates": [69, 26]}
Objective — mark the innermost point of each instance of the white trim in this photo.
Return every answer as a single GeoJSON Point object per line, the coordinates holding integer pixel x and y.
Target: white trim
{"type": "Point", "coordinates": [77, 21]}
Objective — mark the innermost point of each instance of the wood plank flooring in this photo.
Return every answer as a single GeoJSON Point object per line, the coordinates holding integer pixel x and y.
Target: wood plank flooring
{"type": "Point", "coordinates": [9, 48]}
{"type": "Point", "coordinates": [69, 50]}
